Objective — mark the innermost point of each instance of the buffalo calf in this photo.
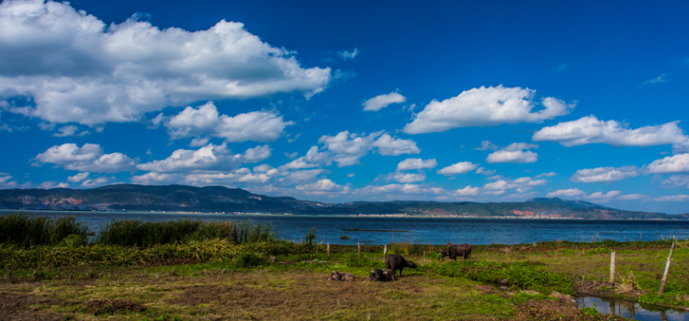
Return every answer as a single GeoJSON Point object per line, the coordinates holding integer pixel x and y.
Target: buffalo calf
{"type": "Point", "coordinates": [382, 275]}
{"type": "Point", "coordinates": [396, 262]}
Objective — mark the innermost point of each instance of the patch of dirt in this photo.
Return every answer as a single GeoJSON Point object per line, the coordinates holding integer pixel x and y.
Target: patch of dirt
{"type": "Point", "coordinates": [171, 262]}
{"type": "Point", "coordinates": [25, 307]}
{"type": "Point", "coordinates": [111, 307]}
{"type": "Point", "coordinates": [605, 289]}
{"type": "Point", "coordinates": [487, 289]}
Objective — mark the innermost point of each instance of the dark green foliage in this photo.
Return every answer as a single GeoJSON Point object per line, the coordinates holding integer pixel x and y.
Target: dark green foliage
{"type": "Point", "coordinates": [140, 233]}
{"type": "Point", "coordinates": [249, 259]}
{"type": "Point", "coordinates": [353, 260]}
{"type": "Point", "coordinates": [29, 230]}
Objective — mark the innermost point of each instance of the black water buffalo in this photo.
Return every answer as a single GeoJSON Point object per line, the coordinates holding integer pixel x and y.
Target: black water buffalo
{"type": "Point", "coordinates": [397, 262]}
{"type": "Point", "coordinates": [341, 276]}
{"type": "Point", "coordinates": [453, 251]}
{"type": "Point", "coordinates": [382, 275]}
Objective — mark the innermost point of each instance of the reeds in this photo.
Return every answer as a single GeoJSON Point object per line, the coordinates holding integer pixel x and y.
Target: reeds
{"type": "Point", "coordinates": [29, 230]}
{"type": "Point", "coordinates": [145, 234]}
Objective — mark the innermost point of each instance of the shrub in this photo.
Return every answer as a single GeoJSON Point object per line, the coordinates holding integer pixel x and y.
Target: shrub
{"type": "Point", "coordinates": [249, 259]}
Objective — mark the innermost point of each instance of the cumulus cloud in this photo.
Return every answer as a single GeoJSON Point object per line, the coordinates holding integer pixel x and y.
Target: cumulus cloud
{"type": "Point", "coordinates": [485, 106]}
{"type": "Point", "coordinates": [323, 185]}
{"type": "Point", "coordinates": [604, 174]}
{"type": "Point", "coordinates": [631, 197]}
{"type": "Point", "coordinates": [487, 145]}
{"type": "Point", "coordinates": [347, 149]}
{"type": "Point", "coordinates": [78, 177]}
{"type": "Point", "coordinates": [458, 168]}
{"type": "Point", "coordinates": [672, 198]}
{"type": "Point", "coordinates": [671, 164]}
{"type": "Point", "coordinates": [484, 171]}
{"type": "Point", "coordinates": [94, 182]}
{"type": "Point", "coordinates": [401, 177]}
{"type": "Point", "coordinates": [416, 163]}
{"type": "Point", "coordinates": [234, 177]}
{"type": "Point", "coordinates": [572, 192]}
{"type": "Point", "coordinates": [604, 196]}
{"type": "Point", "coordinates": [381, 101]}
{"type": "Point", "coordinates": [521, 185]}
{"type": "Point", "coordinates": [551, 174]}
{"type": "Point", "coordinates": [590, 130]}
{"type": "Point", "coordinates": [676, 181]}
{"type": "Point", "coordinates": [153, 178]}
{"type": "Point", "coordinates": [514, 153]}
{"type": "Point", "coordinates": [395, 189]}
{"type": "Point", "coordinates": [6, 181]}
{"type": "Point", "coordinates": [467, 191]}
{"type": "Point", "coordinates": [69, 130]}
{"type": "Point", "coordinates": [210, 157]}
{"type": "Point", "coordinates": [88, 158]}
{"type": "Point", "coordinates": [77, 68]}
{"type": "Point", "coordinates": [205, 120]}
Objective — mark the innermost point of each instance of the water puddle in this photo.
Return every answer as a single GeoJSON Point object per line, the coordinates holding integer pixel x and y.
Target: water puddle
{"type": "Point", "coordinates": [632, 310]}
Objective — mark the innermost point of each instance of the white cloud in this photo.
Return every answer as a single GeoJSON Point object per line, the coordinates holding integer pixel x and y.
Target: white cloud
{"type": "Point", "coordinates": [394, 189]}
{"type": "Point", "coordinates": [484, 171]}
{"type": "Point", "coordinates": [458, 168]}
{"type": "Point", "coordinates": [673, 198]}
{"type": "Point", "coordinates": [76, 68]}
{"type": "Point", "coordinates": [348, 54]}
{"type": "Point", "coordinates": [514, 153]}
{"type": "Point", "coordinates": [467, 191]}
{"type": "Point", "coordinates": [210, 157]}
{"type": "Point", "coordinates": [350, 175]}
{"type": "Point", "coordinates": [94, 182]}
{"type": "Point", "coordinates": [6, 182]}
{"type": "Point", "coordinates": [604, 174]}
{"type": "Point", "coordinates": [262, 168]}
{"type": "Point", "coordinates": [416, 163]}
{"type": "Point", "coordinates": [551, 174]}
{"type": "Point", "coordinates": [521, 185]}
{"type": "Point", "coordinates": [677, 181]}
{"type": "Point", "coordinates": [300, 177]}
{"type": "Point", "coordinates": [257, 125]}
{"type": "Point", "coordinates": [603, 196]}
{"type": "Point", "coordinates": [631, 197]}
{"type": "Point", "coordinates": [487, 145]}
{"type": "Point", "coordinates": [78, 177]}
{"type": "Point", "coordinates": [590, 130]}
{"type": "Point", "coordinates": [381, 101]}
{"type": "Point", "coordinates": [671, 164]}
{"type": "Point", "coordinates": [572, 192]}
{"type": "Point", "coordinates": [69, 130]}
{"type": "Point", "coordinates": [238, 176]}
{"type": "Point", "coordinates": [484, 106]}
{"type": "Point", "coordinates": [389, 146]}
{"type": "Point", "coordinates": [153, 178]}
{"type": "Point", "coordinates": [406, 177]}
{"type": "Point", "coordinates": [323, 185]}
{"type": "Point", "coordinates": [88, 158]}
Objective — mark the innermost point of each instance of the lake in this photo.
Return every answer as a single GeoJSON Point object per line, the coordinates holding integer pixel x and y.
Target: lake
{"type": "Point", "coordinates": [422, 230]}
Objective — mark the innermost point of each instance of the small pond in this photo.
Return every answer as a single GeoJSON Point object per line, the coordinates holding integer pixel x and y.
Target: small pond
{"type": "Point", "coordinates": [632, 310]}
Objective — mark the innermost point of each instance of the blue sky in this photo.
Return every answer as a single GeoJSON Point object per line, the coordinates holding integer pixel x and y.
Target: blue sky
{"type": "Point", "coordinates": [339, 101]}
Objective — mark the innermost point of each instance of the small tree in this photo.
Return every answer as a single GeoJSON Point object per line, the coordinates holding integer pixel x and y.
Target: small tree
{"type": "Point", "coordinates": [311, 236]}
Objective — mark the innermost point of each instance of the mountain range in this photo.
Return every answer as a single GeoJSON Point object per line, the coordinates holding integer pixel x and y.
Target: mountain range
{"type": "Point", "coordinates": [214, 199]}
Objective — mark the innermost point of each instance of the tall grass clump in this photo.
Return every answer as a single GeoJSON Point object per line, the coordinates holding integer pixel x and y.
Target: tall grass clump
{"type": "Point", "coordinates": [29, 230]}
{"type": "Point", "coordinates": [140, 233]}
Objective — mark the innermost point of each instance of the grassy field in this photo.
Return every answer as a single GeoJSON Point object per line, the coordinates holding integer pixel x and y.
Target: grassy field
{"type": "Point", "coordinates": [187, 275]}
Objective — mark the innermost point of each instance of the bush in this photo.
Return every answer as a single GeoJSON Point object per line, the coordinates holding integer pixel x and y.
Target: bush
{"type": "Point", "coordinates": [249, 259]}
{"type": "Point", "coordinates": [30, 230]}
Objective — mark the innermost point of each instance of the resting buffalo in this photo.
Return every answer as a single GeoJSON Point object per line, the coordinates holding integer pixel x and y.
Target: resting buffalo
{"type": "Point", "coordinates": [340, 276]}
{"type": "Point", "coordinates": [382, 275]}
{"type": "Point", "coordinates": [463, 250]}
{"type": "Point", "coordinates": [397, 262]}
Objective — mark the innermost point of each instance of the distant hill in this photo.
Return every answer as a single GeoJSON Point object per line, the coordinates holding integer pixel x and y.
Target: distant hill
{"type": "Point", "coordinates": [131, 197]}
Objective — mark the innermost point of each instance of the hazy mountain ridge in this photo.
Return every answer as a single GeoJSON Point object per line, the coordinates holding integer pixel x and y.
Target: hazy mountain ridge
{"type": "Point", "coordinates": [221, 199]}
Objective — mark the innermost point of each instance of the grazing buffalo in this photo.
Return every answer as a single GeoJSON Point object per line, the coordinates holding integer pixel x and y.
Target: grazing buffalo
{"type": "Point", "coordinates": [382, 275]}
{"type": "Point", "coordinates": [396, 262]}
{"type": "Point", "coordinates": [453, 251]}
{"type": "Point", "coordinates": [340, 276]}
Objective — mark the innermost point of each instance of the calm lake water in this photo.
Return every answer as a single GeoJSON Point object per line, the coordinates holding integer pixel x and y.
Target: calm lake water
{"type": "Point", "coordinates": [424, 230]}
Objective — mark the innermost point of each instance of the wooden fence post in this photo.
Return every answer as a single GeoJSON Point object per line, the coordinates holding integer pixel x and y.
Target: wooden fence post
{"type": "Point", "coordinates": [358, 248]}
{"type": "Point", "coordinates": [328, 249]}
{"type": "Point", "coordinates": [424, 257]}
{"type": "Point", "coordinates": [385, 251]}
{"type": "Point", "coordinates": [612, 268]}
{"type": "Point", "coordinates": [667, 270]}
